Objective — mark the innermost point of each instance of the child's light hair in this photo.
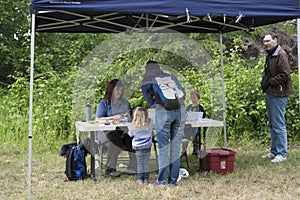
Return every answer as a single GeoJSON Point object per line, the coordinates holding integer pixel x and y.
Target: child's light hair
{"type": "Point", "coordinates": [140, 118]}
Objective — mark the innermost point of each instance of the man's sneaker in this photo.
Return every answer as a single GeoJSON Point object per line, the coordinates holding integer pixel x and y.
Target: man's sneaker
{"type": "Point", "coordinates": [268, 155]}
{"type": "Point", "coordinates": [278, 159]}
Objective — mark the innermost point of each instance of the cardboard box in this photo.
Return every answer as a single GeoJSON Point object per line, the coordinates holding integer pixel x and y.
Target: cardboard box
{"type": "Point", "coordinates": [219, 160]}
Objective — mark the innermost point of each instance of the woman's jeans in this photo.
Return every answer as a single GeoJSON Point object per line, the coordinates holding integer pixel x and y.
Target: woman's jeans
{"type": "Point", "coordinates": [169, 125]}
{"type": "Point", "coordinates": [143, 164]}
{"type": "Point", "coordinates": [276, 109]}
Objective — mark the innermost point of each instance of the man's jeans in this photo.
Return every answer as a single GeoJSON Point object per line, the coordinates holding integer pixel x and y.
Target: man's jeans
{"type": "Point", "coordinates": [143, 164]}
{"type": "Point", "coordinates": [276, 109]}
{"type": "Point", "coordinates": [169, 126]}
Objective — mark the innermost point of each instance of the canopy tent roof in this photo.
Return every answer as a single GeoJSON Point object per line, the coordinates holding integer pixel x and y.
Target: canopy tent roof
{"type": "Point", "coordinates": [113, 16]}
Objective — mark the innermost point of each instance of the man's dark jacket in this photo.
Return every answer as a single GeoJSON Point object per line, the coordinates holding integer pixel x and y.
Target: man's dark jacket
{"type": "Point", "coordinates": [279, 83]}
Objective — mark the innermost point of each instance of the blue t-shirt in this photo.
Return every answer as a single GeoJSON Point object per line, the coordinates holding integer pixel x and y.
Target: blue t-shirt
{"type": "Point", "coordinates": [107, 109]}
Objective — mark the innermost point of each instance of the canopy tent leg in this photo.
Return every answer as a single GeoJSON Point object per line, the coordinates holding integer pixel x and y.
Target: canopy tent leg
{"type": "Point", "coordinates": [298, 39]}
{"type": "Point", "coordinates": [31, 102]}
{"type": "Point", "coordinates": [223, 90]}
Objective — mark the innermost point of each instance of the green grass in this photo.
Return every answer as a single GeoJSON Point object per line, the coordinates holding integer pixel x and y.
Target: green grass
{"type": "Point", "coordinates": [253, 178]}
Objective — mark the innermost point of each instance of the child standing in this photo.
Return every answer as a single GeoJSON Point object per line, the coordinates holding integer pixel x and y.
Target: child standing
{"type": "Point", "coordinates": [141, 128]}
{"type": "Point", "coordinates": [191, 133]}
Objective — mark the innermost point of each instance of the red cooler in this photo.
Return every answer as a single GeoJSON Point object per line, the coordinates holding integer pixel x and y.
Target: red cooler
{"type": "Point", "coordinates": [219, 160]}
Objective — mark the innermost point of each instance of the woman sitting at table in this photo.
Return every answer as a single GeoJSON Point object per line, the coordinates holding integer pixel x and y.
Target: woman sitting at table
{"type": "Point", "coordinates": [113, 107]}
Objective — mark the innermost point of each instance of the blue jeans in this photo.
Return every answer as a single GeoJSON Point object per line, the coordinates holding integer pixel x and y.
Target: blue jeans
{"type": "Point", "coordinates": [143, 162]}
{"type": "Point", "coordinates": [276, 109]}
{"type": "Point", "coordinates": [169, 125]}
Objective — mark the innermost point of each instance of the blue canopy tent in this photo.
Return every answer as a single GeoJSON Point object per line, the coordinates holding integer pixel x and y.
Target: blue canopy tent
{"type": "Point", "coordinates": [188, 16]}
{"type": "Point", "coordinates": [113, 16]}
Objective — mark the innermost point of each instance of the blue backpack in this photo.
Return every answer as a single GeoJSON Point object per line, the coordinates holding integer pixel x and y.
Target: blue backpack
{"type": "Point", "coordinates": [75, 164]}
{"type": "Point", "coordinates": [168, 92]}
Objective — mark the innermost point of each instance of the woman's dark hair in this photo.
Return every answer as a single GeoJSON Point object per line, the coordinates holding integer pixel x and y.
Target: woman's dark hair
{"type": "Point", "coordinates": [110, 88]}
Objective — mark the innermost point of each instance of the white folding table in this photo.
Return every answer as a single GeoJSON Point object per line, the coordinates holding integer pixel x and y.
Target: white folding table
{"type": "Point", "coordinates": [94, 128]}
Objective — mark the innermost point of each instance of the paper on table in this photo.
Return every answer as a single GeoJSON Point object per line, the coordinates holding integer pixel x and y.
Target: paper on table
{"type": "Point", "coordinates": [194, 116]}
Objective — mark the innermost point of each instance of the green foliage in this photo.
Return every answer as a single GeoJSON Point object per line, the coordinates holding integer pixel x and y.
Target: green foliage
{"type": "Point", "coordinates": [64, 82]}
{"type": "Point", "coordinates": [13, 29]}
{"type": "Point", "coordinates": [292, 110]}
{"type": "Point", "coordinates": [52, 107]}
{"type": "Point", "coordinates": [53, 117]}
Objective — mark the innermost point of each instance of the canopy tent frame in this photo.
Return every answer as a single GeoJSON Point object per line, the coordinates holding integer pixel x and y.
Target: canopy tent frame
{"type": "Point", "coordinates": [181, 21]}
{"type": "Point", "coordinates": [32, 43]}
{"type": "Point", "coordinates": [155, 16]}
{"type": "Point", "coordinates": [298, 44]}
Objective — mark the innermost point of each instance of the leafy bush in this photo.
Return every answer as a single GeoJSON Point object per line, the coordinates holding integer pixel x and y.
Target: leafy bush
{"type": "Point", "coordinates": [53, 114]}
{"type": "Point", "coordinates": [52, 107]}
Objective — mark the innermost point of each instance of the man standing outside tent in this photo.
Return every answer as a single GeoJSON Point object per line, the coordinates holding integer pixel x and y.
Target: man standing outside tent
{"type": "Point", "coordinates": [169, 125]}
{"type": "Point", "coordinates": [277, 85]}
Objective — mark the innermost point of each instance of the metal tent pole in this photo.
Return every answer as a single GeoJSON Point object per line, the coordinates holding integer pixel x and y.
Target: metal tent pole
{"type": "Point", "coordinates": [223, 90]}
{"type": "Point", "coordinates": [298, 39]}
{"type": "Point", "coordinates": [31, 102]}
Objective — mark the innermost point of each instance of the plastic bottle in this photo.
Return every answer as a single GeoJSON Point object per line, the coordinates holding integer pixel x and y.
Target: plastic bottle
{"type": "Point", "coordinates": [88, 112]}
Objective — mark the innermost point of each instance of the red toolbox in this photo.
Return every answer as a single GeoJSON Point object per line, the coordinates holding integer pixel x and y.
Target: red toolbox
{"type": "Point", "coordinates": [219, 160]}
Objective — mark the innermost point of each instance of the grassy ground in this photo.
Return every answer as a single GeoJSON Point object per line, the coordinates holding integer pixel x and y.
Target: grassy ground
{"type": "Point", "coordinates": [253, 178]}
